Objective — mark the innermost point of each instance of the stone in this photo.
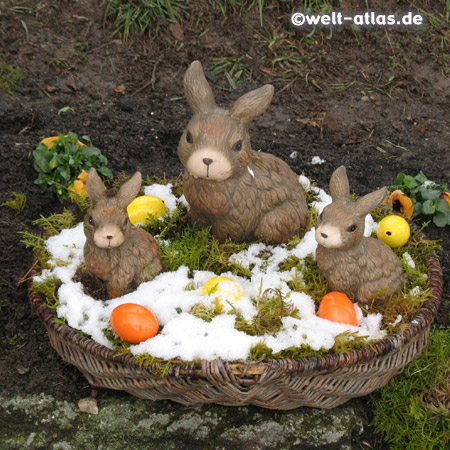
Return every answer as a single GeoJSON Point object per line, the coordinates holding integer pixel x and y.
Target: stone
{"type": "Point", "coordinates": [88, 405]}
{"type": "Point", "coordinates": [40, 421]}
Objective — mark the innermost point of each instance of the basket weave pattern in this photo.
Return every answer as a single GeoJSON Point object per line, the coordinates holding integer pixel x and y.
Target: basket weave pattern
{"type": "Point", "coordinates": [321, 382]}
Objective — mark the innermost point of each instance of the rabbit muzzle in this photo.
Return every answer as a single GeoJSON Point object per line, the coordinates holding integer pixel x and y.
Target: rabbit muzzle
{"type": "Point", "coordinates": [328, 236]}
{"type": "Point", "coordinates": [209, 163]}
{"type": "Point", "coordinates": [109, 236]}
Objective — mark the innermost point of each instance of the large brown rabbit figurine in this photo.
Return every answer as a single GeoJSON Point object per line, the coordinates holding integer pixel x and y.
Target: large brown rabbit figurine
{"type": "Point", "coordinates": [362, 267]}
{"type": "Point", "coordinates": [242, 194]}
{"type": "Point", "coordinates": [115, 251]}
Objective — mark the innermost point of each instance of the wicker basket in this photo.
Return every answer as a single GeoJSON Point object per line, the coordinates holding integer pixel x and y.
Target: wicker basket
{"type": "Point", "coordinates": [321, 382]}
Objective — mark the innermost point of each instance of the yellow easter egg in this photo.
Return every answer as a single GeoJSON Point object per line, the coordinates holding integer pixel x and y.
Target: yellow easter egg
{"type": "Point", "coordinates": [223, 288]}
{"type": "Point", "coordinates": [141, 207]}
{"type": "Point", "coordinates": [394, 231]}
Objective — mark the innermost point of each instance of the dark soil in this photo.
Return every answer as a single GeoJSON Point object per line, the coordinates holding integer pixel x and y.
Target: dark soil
{"type": "Point", "coordinates": [129, 100]}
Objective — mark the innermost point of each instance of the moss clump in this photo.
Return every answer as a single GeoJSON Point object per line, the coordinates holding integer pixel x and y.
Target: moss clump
{"type": "Point", "coordinates": [261, 351]}
{"type": "Point", "coordinates": [306, 276]}
{"type": "Point", "coordinates": [199, 250]}
{"type": "Point", "coordinates": [271, 307]}
{"type": "Point", "coordinates": [53, 225]}
{"type": "Point", "coordinates": [413, 409]}
{"type": "Point", "coordinates": [50, 227]}
{"type": "Point", "coordinates": [207, 313]}
{"type": "Point", "coordinates": [17, 202]}
{"type": "Point", "coordinates": [168, 226]}
{"type": "Point", "coordinates": [37, 244]}
{"type": "Point", "coordinates": [48, 288]}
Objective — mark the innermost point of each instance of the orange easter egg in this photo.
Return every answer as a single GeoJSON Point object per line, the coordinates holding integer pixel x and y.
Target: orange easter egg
{"type": "Point", "coordinates": [337, 307]}
{"type": "Point", "coordinates": [134, 323]}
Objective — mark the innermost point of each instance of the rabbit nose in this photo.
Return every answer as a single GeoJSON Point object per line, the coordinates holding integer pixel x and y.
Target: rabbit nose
{"type": "Point", "coordinates": [207, 161]}
{"type": "Point", "coordinates": [324, 235]}
{"type": "Point", "coordinates": [109, 237]}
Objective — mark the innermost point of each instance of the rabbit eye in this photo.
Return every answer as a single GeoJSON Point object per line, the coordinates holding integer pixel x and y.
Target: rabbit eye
{"type": "Point", "coordinates": [125, 222]}
{"type": "Point", "coordinates": [189, 137]}
{"type": "Point", "coordinates": [91, 221]}
{"type": "Point", "coordinates": [351, 229]}
{"type": "Point", "coordinates": [238, 146]}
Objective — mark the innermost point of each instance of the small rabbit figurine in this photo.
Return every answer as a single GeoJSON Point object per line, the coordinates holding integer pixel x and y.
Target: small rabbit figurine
{"type": "Point", "coordinates": [242, 194]}
{"type": "Point", "coordinates": [364, 268]}
{"type": "Point", "coordinates": [115, 251]}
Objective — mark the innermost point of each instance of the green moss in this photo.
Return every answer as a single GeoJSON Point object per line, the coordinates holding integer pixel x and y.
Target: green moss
{"type": "Point", "coordinates": [159, 366]}
{"type": "Point", "coordinates": [17, 202]}
{"type": "Point", "coordinates": [344, 342]}
{"type": "Point", "coordinates": [56, 222]}
{"type": "Point", "coordinates": [199, 250]}
{"type": "Point", "coordinates": [48, 288]}
{"type": "Point", "coordinates": [306, 276]}
{"type": "Point", "coordinates": [261, 351]}
{"type": "Point", "coordinates": [207, 313]}
{"type": "Point", "coordinates": [168, 226]}
{"type": "Point", "coordinates": [413, 409]}
{"type": "Point", "coordinates": [348, 341]}
{"type": "Point", "coordinates": [37, 244]}
{"type": "Point", "coordinates": [271, 307]}
{"type": "Point", "coordinates": [9, 78]}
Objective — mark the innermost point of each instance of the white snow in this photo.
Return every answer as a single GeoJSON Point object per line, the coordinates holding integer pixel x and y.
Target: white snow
{"type": "Point", "coordinates": [164, 192]}
{"type": "Point", "coordinates": [172, 295]}
{"type": "Point", "coordinates": [408, 260]}
{"type": "Point", "coordinates": [317, 160]}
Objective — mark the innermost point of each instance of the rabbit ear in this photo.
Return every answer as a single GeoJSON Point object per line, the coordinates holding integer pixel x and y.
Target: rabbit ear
{"type": "Point", "coordinates": [129, 190]}
{"type": "Point", "coordinates": [252, 104]}
{"type": "Point", "coordinates": [94, 186]}
{"type": "Point", "coordinates": [339, 187]}
{"type": "Point", "coordinates": [197, 90]}
{"type": "Point", "coordinates": [369, 202]}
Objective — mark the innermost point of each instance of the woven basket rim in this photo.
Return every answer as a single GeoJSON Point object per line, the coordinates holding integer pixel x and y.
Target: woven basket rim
{"type": "Point", "coordinates": [328, 362]}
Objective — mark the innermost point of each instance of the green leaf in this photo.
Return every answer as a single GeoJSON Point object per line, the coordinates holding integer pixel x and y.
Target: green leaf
{"type": "Point", "coordinates": [430, 194]}
{"type": "Point", "coordinates": [417, 209]}
{"type": "Point", "coordinates": [90, 151]}
{"type": "Point", "coordinates": [398, 180]}
{"type": "Point", "coordinates": [441, 219]}
{"type": "Point", "coordinates": [102, 159]}
{"type": "Point", "coordinates": [65, 174]}
{"type": "Point", "coordinates": [442, 206]}
{"type": "Point", "coordinates": [41, 159]}
{"type": "Point", "coordinates": [105, 171]}
{"type": "Point", "coordinates": [65, 109]}
{"type": "Point", "coordinates": [421, 178]}
{"type": "Point", "coordinates": [41, 183]}
{"type": "Point", "coordinates": [72, 136]}
{"type": "Point", "coordinates": [410, 182]}
{"type": "Point", "coordinates": [72, 148]}
{"type": "Point", "coordinates": [428, 208]}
